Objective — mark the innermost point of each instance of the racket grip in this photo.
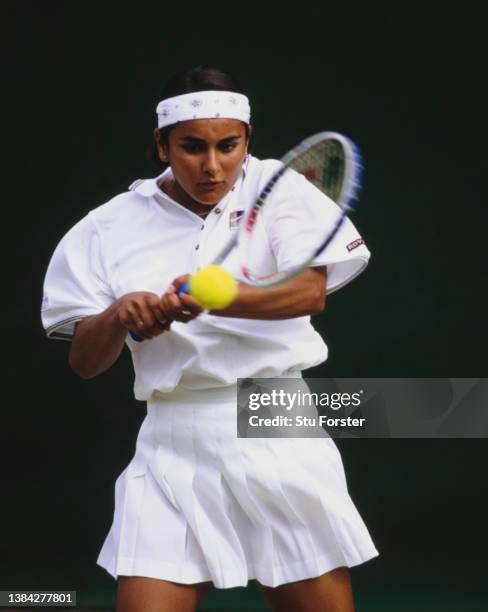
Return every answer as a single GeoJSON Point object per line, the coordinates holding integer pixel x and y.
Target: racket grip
{"type": "Point", "coordinates": [185, 288]}
{"type": "Point", "coordinates": [135, 337]}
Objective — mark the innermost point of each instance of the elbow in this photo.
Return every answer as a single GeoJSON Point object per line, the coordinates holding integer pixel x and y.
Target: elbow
{"type": "Point", "coordinates": [316, 289]}
{"type": "Point", "coordinates": [81, 370]}
{"type": "Point", "coordinates": [317, 301]}
{"type": "Point", "coordinates": [84, 375]}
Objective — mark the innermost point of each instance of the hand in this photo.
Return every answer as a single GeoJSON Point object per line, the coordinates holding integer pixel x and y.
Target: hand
{"type": "Point", "coordinates": [141, 313]}
{"type": "Point", "coordinates": [182, 307]}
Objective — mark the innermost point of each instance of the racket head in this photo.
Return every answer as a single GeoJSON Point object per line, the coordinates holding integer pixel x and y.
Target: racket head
{"type": "Point", "coordinates": [333, 164]}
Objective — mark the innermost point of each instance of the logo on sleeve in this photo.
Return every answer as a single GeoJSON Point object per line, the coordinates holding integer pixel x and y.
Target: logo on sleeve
{"type": "Point", "coordinates": [354, 244]}
{"type": "Point", "coordinates": [234, 218]}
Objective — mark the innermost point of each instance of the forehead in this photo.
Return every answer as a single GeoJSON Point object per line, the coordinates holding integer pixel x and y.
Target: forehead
{"type": "Point", "coordinates": [208, 129]}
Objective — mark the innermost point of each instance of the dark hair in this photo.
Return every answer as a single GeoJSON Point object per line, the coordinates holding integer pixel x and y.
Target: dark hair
{"type": "Point", "coordinates": [201, 78]}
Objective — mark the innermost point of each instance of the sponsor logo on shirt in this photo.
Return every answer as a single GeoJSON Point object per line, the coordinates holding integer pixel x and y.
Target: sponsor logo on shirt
{"type": "Point", "coordinates": [234, 218]}
{"type": "Point", "coordinates": [353, 245]}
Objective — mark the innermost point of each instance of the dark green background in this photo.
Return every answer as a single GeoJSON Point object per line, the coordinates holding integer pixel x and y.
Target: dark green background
{"type": "Point", "coordinates": [406, 83]}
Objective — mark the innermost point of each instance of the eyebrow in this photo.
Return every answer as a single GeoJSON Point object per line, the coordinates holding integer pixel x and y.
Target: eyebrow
{"type": "Point", "coordinates": [194, 139]}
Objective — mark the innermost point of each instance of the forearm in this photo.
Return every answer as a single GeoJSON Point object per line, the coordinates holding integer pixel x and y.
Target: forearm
{"type": "Point", "coordinates": [300, 296]}
{"type": "Point", "coordinates": [97, 343]}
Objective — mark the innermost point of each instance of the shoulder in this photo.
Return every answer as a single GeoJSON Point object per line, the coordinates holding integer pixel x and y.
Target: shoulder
{"type": "Point", "coordinates": [264, 169]}
{"type": "Point", "coordinates": [292, 183]}
{"type": "Point", "coordinates": [111, 217]}
{"type": "Point", "coordinates": [258, 172]}
{"type": "Point", "coordinates": [122, 208]}
{"type": "Point", "coordinates": [256, 168]}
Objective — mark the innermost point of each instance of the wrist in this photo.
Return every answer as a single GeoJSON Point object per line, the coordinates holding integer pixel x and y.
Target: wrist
{"type": "Point", "coordinates": [113, 316]}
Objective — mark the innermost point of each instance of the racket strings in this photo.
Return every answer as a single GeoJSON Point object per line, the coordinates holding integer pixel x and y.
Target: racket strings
{"type": "Point", "coordinates": [324, 166]}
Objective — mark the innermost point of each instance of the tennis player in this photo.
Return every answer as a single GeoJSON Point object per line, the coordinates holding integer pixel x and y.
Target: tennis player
{"type": "Point", "coordinates": [197, 505]}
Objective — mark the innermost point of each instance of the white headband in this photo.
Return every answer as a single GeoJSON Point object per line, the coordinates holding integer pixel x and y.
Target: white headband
{"type": "Point", "coordinates": [203, 105]}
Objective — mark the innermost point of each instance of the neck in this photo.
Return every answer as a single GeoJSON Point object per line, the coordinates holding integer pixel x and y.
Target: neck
{"type": "Point", "coordinates": [176, 193]}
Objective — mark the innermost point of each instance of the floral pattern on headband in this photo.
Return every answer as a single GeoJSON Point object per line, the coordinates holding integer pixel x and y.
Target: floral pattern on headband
{"type": "Point", "coordinates": [205, 104]}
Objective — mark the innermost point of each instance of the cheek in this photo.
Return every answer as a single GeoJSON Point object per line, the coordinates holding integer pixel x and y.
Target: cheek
{"type": "Point", "coordinates": [233, 164]}
{"type": "Point", "coordinates": [184, 170]}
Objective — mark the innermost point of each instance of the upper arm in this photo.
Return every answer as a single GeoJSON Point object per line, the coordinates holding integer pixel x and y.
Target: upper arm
{"type": "Point", "coordinates": [75, 285]}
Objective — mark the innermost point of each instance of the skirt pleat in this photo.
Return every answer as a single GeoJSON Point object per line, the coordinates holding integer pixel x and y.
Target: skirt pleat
{"type": "Point", "coordinates": [197, 503]}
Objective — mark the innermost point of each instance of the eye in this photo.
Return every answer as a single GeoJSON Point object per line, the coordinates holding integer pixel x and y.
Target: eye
{"type": "Point", "coordinates": [193, 147]}
{"type": "Point", "coordinates": [227, 147]}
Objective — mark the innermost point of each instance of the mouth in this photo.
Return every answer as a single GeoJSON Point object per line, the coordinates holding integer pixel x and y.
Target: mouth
{"type": "Point", "coordinates": [210, 184]}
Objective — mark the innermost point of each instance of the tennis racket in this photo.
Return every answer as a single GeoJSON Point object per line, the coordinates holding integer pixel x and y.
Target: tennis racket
{"type": "Point", "coordinates": [333, 164]}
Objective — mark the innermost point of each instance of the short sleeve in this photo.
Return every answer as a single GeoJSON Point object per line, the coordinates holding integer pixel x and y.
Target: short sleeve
{"type": "Point", "coordinates": [75, 285]}
{"type": "Point", "coordinates": [301, 216]}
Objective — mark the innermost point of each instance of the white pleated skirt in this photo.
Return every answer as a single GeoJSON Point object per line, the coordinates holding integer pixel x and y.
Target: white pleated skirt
{"type": "Point", "coordinates": [198, 504]}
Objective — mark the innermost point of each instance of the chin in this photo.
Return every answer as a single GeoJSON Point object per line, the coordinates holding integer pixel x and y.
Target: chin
{"type": "Point", "coordinates": [209, 199]}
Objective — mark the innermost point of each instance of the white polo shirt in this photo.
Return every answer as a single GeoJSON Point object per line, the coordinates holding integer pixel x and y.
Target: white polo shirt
{"type": "Point", "coordinates": [142, 239]}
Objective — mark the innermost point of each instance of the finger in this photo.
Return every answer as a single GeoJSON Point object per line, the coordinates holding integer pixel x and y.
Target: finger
{"type": "Point", "coordinates": [132, 320]}
{"type": "Point", "coordinates": [161, 318]}
{"type": "Point", "coordinates": [185, 315]}
{"type": "Point", "coordinates": [178, 311]}
{"type": "Point", "coordinates": [158, 313]}
{"type": "Point", "coordinates": [178, 282]}
{"type": "Point", "coordinates": [161, 325]}
{"type": "Point", "coordinates": [140, 331]}
{"type": "Point", "coordinates": [137, 317]}
{"type": "Point", "coordinates": [146, 322]}
{"type": "Point", "coordinates": [190, 304]}
{"type": "Point", "coordinates": [169, 305]}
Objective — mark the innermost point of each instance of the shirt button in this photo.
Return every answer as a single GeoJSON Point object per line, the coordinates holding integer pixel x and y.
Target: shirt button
{"type": "Point", "coordinates": [203, 227]}
{"type": "Point", "coordinates": [217, 210]}
{"type": "Point", "coordinates": [197, 247]}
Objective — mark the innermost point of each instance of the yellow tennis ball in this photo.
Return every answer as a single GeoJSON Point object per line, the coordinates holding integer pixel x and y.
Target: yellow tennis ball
{"type": "Point", "coordinates": [212, 287]}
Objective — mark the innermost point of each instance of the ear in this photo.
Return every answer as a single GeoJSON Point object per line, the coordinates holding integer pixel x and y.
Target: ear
{"type": "Point", "coordinates": [162, 148]}
{"type": "Point", "coordinates": [250, 132]}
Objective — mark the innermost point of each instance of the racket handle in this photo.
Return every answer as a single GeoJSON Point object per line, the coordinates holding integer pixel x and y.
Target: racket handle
{"type": "Point", "coordinates": [185, 288]}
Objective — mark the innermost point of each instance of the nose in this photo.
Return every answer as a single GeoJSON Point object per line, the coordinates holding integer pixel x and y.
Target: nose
{"type": "Point", "coordinates": [210, 164]}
